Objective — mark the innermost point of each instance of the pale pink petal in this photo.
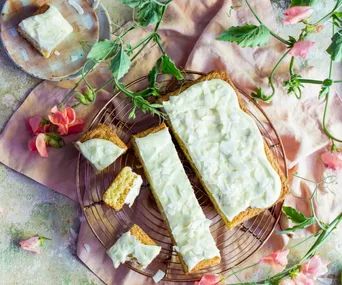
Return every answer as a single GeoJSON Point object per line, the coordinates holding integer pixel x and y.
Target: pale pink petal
{"type": "Point", "coordinates": [66, 121]}
{"type": "Point", "coordinates": [302, 279]}
{"type": "Point", "coordinates": [286, 281]}
{"type": "Point", "coordinates": [77, 126]}
{"type": "Point", "coordinates": [277, 260]}
{"type": "Point", "coordinates": [2, 210]}
{"type": "Point", "coordinates": [210, 279]}
{"type": "Point", "coordinates": [332, 160]}
{"type": "Point", "coordinates": [41, 145]}
{"type": "Point", "coordinates": [61, 123]}
{"type": "Point", "coordinates": [71, 115]}
{"type": "Point", "coordinates": [314, 267]}
{"type": "Point", "coordinates": [301, 48]}
{"type": "Point", "coordinates": [296, 14]}
{"type": "Point", "coordinates": [31, 244]}
{"type": "Point", "coordinates": [32, 144]}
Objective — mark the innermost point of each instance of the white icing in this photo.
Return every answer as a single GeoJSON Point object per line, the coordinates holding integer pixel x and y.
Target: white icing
{"type": "Point", "coordinates": [48, 29]}
{"type": "Point", "coordinates": [127, 246]}
{"type": "Point", "coordinates": [134, 192]}
{"type": "Point", "coordinates": [99, 152]}
{"type": "Point", "coordinates": [187, 221]}
{"type": "Point", "coordinates": [76, 6]}
{"type": "Point", "coordinates": [225, 146]}
{"type": "Point", "coordinates": [158, 276]}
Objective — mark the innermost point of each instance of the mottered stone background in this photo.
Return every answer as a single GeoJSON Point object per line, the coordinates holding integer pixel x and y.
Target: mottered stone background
{"type": "Point", "coordinates": [30, 208]}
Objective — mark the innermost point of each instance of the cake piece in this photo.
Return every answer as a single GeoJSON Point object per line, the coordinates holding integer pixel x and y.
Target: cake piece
{"type": "Point", "coordinates": [225, 148]}
{"type": "Point", "coordinates": [46, 29]}
{"type": "Point", "coordinates": [176, 200]}
{"type": "Point", "coordinates": [134, 245]}
{"type": "Point", "coordinates": [101, 146]}
{"type": "Point", "coordinates": [123, 190]}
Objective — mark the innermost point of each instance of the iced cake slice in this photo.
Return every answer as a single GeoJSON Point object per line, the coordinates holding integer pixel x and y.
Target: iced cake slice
{"type": "Point", "coordinates": [101, 146]}
{"type": "Point", "coordinates": [123, 190]}
{"type": "Point", "coordinates": [225, 148]}
{"type": "Point", "coordinates": [176, 200]}
{"type": "Point", "coordinates": [46, 29]}
{"type": "Point", "coordinates": [134, 245]}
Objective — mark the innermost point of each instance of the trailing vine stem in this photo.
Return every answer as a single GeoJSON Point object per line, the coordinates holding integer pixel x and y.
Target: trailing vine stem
{"type": "Point", "coordinates": [325, 128]}
{"type": "Point", "coordinates": [261, 23]}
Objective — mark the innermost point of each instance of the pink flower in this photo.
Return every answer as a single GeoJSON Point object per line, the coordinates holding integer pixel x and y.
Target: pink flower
{"type": "Point", "coordinates": [332, 160]}
{"type": "Point", "coordinates": [296, 14]}
{"type": "Point", "coordinates": [277, 260]}
{"type": "Point", "coordinates": [286, 281]}
{"type": "Point", "coordinates": [37, 125]}
{"type": "Point", "coordinates": [301, 48]}
{"type": "Point", "coordinates": [209, 279]}
{"type": "Point", "coordinates": [38, 143]}
{"type": "Point", "coordinates": [314, 267]}
{"type": "Point", "coordinates": [2, 210]}
{"type": "Point", "coordinates": [32, 244]}
{"type": "Point", "coordinates": [302, 279]}
{"type": "Point", "coordinates": [66, 121]}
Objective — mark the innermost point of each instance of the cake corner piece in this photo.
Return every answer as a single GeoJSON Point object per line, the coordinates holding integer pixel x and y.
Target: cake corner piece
{"type": "Point", "coordinates": [101, 146]}
{"type": "Point", "coordinates": [37, 28]}
{"type": "Point", "coordinates": [123, 190]}
{"type": "Point", "coordinates": [134, 245]}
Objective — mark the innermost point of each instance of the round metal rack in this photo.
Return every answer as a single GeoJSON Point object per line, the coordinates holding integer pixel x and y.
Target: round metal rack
{"type": "Point", "coordinates": [236, 245]}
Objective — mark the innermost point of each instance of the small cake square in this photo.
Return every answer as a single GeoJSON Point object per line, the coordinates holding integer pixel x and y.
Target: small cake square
{"type": "Point", "coordinates": [123, 190]}
{"type": "Point", "coordinates": [101, 146]}
{"type": "Point", "coordinates": [134, 245]}
{"type": "Point", "coordinates": [46, 29]}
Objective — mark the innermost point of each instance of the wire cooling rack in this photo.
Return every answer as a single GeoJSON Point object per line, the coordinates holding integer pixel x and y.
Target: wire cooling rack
{"type": "Point", "coordinates": [235, 246]}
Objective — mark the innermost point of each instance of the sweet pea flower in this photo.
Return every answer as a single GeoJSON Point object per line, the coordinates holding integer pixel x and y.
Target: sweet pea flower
{"type": "Point", "coordinates": [296, 14]}
{"type": "Point", "coordinates": [314, 267]}
{"type": "Point", "coordinates": [302, 279]}
{"type": "Point", "coordinates": [209, 279]}
{"type": "Point", "coordinates": [277, 260]}
{"type": "Point", "coordinates": [33, 244]}
{"type": "Point", "coordinates": [66, 121]}
{"type": "Point", "coordinates": [38, 143]}
{"type": "Point", "coordinates": [301, 48]}
{"type": "Point", "coordinates": [37, 125]}
{"type": "Point", "coordinates": [332, 160]}
{"type": "Point", "coordinates": [286, 281]}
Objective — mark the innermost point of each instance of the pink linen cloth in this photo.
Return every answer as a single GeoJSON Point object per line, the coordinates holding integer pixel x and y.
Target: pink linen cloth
{"type": "Point", "coordinates": [189, 31]}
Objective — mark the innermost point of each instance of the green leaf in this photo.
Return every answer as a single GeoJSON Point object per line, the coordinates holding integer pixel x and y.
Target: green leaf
{"type": "Point", "coordinates": [149, 13]}
{"type": "Point", "coordinates": [246, 35]}
{"type": "Point", "coordinates": [259, 94]}
{"type": "Point", "coordinates": [120, 64]}
{"type": "Point", "coordinates": [303, 3]}
{"type": "Point", "coordinates": [294, 215]}
{"type": "Point", "coordinates": [335, 48]}
{"type": "Point", "coordinates": [103, 50]}
{"type": "Point", "coordinates": [152, 75]}
{"type": "Point", "coordinates": [168, 67]}
{"type": "Point", "coordinates": [133, 3]}
{"type": "Point", "coordinates": [308, 222]}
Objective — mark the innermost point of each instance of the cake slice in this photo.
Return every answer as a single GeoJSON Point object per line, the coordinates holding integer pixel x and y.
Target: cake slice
{"type": "Point", "coordinates": [176, 200]}
{"type": "Point", "coordinates": [134, 245]}
{"type": "Point", "coordinates": [101, 146]}
{"type": "Point", "coordinates": [45, 29]}
{"type": "Point", "coordinates": [123, 190]}
{"type": "Point", "coordinates": [225, 148]}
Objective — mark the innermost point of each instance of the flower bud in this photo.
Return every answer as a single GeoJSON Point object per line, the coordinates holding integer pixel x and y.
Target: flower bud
{"type": "Point", "coordinates": [89, 95]}
{"type": "Point", "coordinates": [81, 98]}
{"type": "Point", "coordinates": [54, 140]}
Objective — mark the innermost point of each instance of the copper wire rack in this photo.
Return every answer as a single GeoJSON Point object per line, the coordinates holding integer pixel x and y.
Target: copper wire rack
{"type": "Point", "coordinates": [235, 246]}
